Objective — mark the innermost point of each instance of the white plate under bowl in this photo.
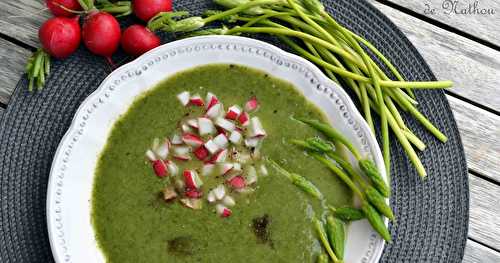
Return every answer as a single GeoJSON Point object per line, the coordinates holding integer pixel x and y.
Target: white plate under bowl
{"type": "Point", "coordinates": [71, 178]}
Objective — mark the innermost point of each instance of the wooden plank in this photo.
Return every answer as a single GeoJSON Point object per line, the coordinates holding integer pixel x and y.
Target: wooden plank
{"type": "Point", "coordinates": [21, 19]}
{"type": "Point", "coordinates": [457, 14]}
{"type": "Point", "coordinates": [484, 225]}
{"type": "Point", "coordinates": [13, 60]}
{"type": "Point", "coordinates": [471, 66]}
{"type": "Point", "coordinates": [480, 131]}
{"type": "Point", "coordinates": [475, 252]}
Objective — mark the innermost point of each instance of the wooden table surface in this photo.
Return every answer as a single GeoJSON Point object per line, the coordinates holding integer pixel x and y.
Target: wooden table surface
{"type": "Point", "coordinates": [464, 48]}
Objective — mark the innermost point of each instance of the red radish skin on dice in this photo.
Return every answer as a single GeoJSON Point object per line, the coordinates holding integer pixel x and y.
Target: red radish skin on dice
{"type": "Point", "coordinates": [237, 182]}
{"type": "Point", "coordinates": [233, 112]}
{"type": "Point", "coordinates": [223, 211]}
{"type": "Point", "coordinates": [244, 119]}
{"type": "Point", "coordinates": [252, 104]}
{"type": "Point", "coordinates": [215, 111]}
{"type": "Point", "coordinates": [219, 156]}
{"type": "Point", "coordinates": [201, 153]}
{"type": "Point", "coordinates": [192, 180]}
{"type": "Point", "coordinates": [193, 193]}
{"type": "Point", "coordinates": [160, 168]}
{"type": "Point", "coordinates": [211, 100]}
{"type": "Point", "coordinates": [196, 100]}
{"type": "Point", "coordinates": [192, 139]}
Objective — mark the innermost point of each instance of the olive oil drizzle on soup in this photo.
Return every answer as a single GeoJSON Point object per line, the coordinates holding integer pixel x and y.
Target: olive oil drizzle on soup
{"type": "Point", "coordinates": [133, 223]}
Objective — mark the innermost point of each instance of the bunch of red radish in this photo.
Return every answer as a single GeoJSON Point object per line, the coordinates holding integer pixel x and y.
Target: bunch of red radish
{"type": "Point", "coordinates": [61, 35]}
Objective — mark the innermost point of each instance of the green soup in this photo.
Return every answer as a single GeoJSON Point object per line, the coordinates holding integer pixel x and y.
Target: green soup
{"type": "Point", "coordinates": [273, 224]}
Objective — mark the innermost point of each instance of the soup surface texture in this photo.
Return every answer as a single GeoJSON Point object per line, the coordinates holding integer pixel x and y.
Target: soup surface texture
{"type": "Point", "coordinates": [133, 224]}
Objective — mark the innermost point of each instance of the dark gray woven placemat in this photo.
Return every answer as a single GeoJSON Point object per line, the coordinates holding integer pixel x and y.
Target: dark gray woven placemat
{"type": "Point", "coordinates": [432, 215]}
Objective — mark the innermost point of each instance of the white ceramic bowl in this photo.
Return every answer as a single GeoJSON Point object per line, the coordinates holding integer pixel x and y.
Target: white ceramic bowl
{"type": "Point", "coordinates": [69, 191]}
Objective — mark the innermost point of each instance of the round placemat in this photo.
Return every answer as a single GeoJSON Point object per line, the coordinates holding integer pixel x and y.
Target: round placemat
{"type": "Point", "coordinates": [432, 214]}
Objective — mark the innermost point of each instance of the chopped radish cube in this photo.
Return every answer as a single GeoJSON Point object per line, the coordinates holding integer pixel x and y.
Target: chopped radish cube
{"type": "Point", "coordinates": [237, 182]}
{"type": "Point", "coordinates": [150, 155]}
{"type": "Point", "coordinates": [233, 112]}
{"type": "Point", "coordinates": [160, 168]}
{"type": "Point", "coordinates": [219, 192]}
{"type": "Point", "coordinates": [244, 119]}
{"type": "Point", "coordinates": [181, 150]}
{"type": "Point", "coordinates": [192, 179]}
{"type": "Point", "coordinates": [182, 157]}
{"type": "Point", "coordinates": [172, 168]}
{"type": "Point", "coordinates": [228, 201]}
{"type": "Point", "coordinates": [252, 104]}
{"type": "Point", "coordinates": [252, 142]}
{"type": "Point", "coordinates": [211, 197]}
{"type": "Point", "coordinates": [201, 153]}
{"type": "Point", "coordinates": [225, 124]}
{"type": "Point", "coordinates": [195, 204]}
{"type": "Point", "coordinates": [263, 170]}
{"type": "Point", "coordinates": [251, 175]}
{"type": "Point", "coordinates": [235, 137]}
{"type": "Point", "coordinates": [255, 129]}
{"type": "Point", "coordinates": [211, 100]}
{"type": "Point", "coordinates": [224, 168]}
{"type": "Point", "coordinates": [207, 169]}
{"type": "Point", "coordinates": [211, 146]}
{"type": "Point", "coordinates": [163, 149]}
{"type": "Point", "coordinates": [221, 141]}
{"type": "Point", "coordinates": [223, 211]}
{"type": "Point", "coordinates": [193, 193]}
{"type": "Point", "coordinates": [206, 126]}
{"type": "Point", "coordinates": [196, 100]}
{"type": "Point", "coordinates": [186, 128]}
{"type": "Point", "coordinates": [176, 139]}
{"type": "Point", "coordinates": [191, 140]}
{"type": "Point", "coordinates": [215, 111]}
{"type": "Point", "coordinates": [237, 167]}
{"type": "Point", "coordinates": [184, 98]}
{"type": "Point", "coordinates": [193, 123]}
{"type": "Point", "coordinates": [169, 194]}
{"type": "Point", "coordinates": [221, 131]}
{"type": "Point", "coordinates": [219, 156]}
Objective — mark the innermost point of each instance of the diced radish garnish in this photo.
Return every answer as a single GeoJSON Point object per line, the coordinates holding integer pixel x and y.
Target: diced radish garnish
{"type": "Point", "coordinates": [224, 168]}
{"type": "Point", "coordinates": [160, 168]}
{"type": "Point", "coordinates": [211, 197]}
{"type": "Point", "coordinates": [186, 128]}
{"type": "Point", "coordinates": [195, 204]}
{"type": "Point", "coordinates": [233, 112]}
{"type": "Point", "coordinates": [219, 192]}
{"type": "Point", "coordinates": [225, 124]}
{"type": "Point", "coordinates": [172, 168]}
{"type": "Point", "coordinates": [182, 157]}
{"type": "Point", "coordinates": [235, 137]}
{"type": "Point", "coordinates": [219, 156]}
{"type": "Point", "coordinates": [252, 142]}
{"type": "Point", "coordinates": [215, 111]}
{"type": "Point", "coordinates": [191, 140]}
{"type": "Point", "coordinates": [263, 170]}
{"type": "Point", "coordinates": [150, 155]}
{"type": "Point", "coordinates": [221, 131]}
{"type": "Point", "coordinates": [244, 119]}
{"type": "Point", "coordinates": [196, 100]}
{"type": "Point", "coordinates": [193, 193]}
{"type": "Point", "coordinates": [251, 175]}
{"type": "Point", "coordinates": [211, 146]}
{"type": "Point", "coordinates": [181, 150]}
{"type": "Point", "coordinates": [163, 149]}
{"type": "Point", "coordinates": [228, 201]}
{"type": "Point", "coordinates": [205, 126]}
{"type": "Point", "coordinates": [223, 211]}
{"type": "Point", "coordinates": [169, 194]}
{"type": "Point", "coordinates": [237, 167]}
{"type": "Point", "coordinates": [252, 104]}
{"type": "Point", "coordinates": [201, 153]}
{"type": "Point", "coordinates": [211, 100]}
{"type": "Point", "coordinates": [237, 182]}
{"type": "Point", "coordinates": [255, 129]}
{"type": "Point", "coordinates": [207, 169]}
{"type": "Point", "coordinates": [184, 98]}
{"type": "Point", "coordinates": [221, 141]}
{"type": "Point", "coordinates": [192, 179]}
{"type": "Point", "coordinates": [176, 139]}
{"type": "Point", "coordinates": [193, 123]}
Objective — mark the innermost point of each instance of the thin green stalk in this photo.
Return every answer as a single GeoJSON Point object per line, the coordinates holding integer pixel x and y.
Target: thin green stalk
{"type": "Point", "coordinates": [414, 140]}
{"type": "Point", "coordinates": [237, 9]}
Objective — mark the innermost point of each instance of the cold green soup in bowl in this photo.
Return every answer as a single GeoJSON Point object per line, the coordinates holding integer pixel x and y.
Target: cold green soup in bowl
{"type": "Point", "coordinates": [270, 220]}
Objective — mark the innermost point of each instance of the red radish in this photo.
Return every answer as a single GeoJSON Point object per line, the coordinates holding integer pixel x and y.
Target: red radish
{"type": "Point", "coordinates": [56, 7]}
{"type": "Point", "coordinates": [221, 131]}
{"type": "Point", "coordinates": [244, 119]}
{"type": "Point", "coordinates": [205, 126]}
{"type": "Point", "coordinates": [186, 128]}
{"type": "Point", "coordinates": [252, 142]}
{"type": "Point", "coordinates": [215, 111]}
{"type": "Point", "coordinates": [237, 182]}
{"type": "Point", "coordinates": [151, 155]}
{"type": "Point", "coordinates": [201, 153]}
{"type": "Point", "coordinates": [219, 156]}
{"type": "Point", "coordinates": [172, 168]}
{"type": "Point", "coordinates": [225, 124]}
{"type": "Point", "coordinates": [137, 40]}
{"type": "Point", "coordinates": [252, 104]}
{"type": "Point", "coordinates": [255, 128]}
{"type": "Point", "coordinates": [235, 137]}
{"type": "Point", "coordinates": [211, 197]}
{"type": "Point", "coordinates": [207, 169]}
{"type": "Point", "coordinates": [192, 140]}
{"type": "Point", "coordinates": [192, 179]}
{"type": "Point", "coordinates": [60, 36]}
{"type": "Point", "coordinates": [196, 100]}
{"type": "Point", "coordinates": [195, 204]}
{"type": "Point", "coordinates": [146, 9]}
{"type": "Point", "coordinates": [101, 34]}
{"type": "Point", "coordinates": [228, 201]}
{"type": "Point", "coordinates": [160, 168]}
{"type": "Point", "coordinates": [223, 211]}
{"type": "Point", "coordinates": [224, 168]}
{"type": "Point", "coordinates": [221, 141]}
{"type": "Point", "coordinates": [184, 98]}
{"type": "Point", "coordinates": [211, 146]}
{"type": "Point", "coordinates": [251, 175]}
{"type": "Point", "coordinates": [162, 150]}
{"type": "Point", "coordinates": [211, 100]}
{"type": "Point", "coordinates": [219, 192]}
{"type": "Point", "coordinates": [233, 112]}
{"type": "Point", "coordinates": [182, 157]}
{"type": "Point", "coordinates": [192, 123]}
{"type": "Point", "coordinates": [193, 193]}
{"type": "Point", "coordinates": [176, 139]}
